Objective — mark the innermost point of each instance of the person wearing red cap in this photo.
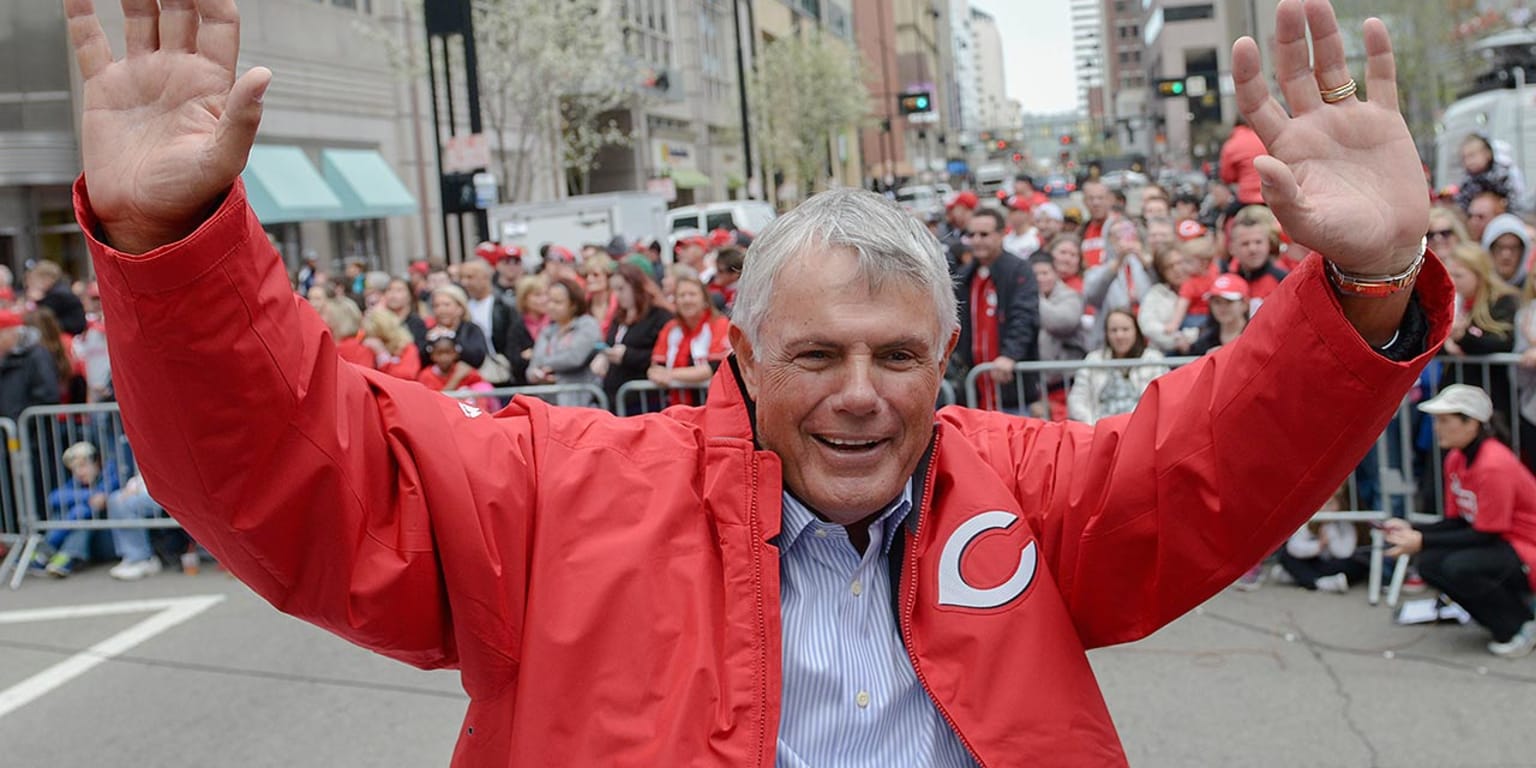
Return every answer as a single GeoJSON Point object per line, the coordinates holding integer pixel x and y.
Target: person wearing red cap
{"type": "Point", "coordinates": [28, 376]}
{"type": "Point", "coordinates": [691, 251]}
{"type": "Point", "coordinates": [1228, 298]}
{"type": "Point", "coordinates": [957, 216]}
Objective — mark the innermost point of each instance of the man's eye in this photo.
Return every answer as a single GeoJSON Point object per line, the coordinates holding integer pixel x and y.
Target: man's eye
{"type": "Point", "coordinates": [815, 354]}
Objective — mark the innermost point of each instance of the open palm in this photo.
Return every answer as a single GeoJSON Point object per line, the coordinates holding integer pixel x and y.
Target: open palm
{"type": "Point", "coordinates": [168, 128]}
{"type": "Point", "coordinates": [1342, 178]}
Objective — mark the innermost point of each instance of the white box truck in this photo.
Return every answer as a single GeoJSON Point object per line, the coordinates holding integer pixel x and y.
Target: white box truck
{"type": "Point", "coordinates": [576, 221]}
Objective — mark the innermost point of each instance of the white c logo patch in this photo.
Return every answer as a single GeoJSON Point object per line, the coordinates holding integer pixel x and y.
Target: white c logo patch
{"type": "Point", "coordinates": [953, 589]}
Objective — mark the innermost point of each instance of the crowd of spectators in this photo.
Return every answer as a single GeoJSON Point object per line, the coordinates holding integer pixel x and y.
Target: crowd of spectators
{"type": "Point", "coordinates": [1086, 287]}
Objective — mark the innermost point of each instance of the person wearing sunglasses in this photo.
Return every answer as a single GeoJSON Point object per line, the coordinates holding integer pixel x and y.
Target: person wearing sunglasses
{"type": "Point", "coordinates": [1446, 230]}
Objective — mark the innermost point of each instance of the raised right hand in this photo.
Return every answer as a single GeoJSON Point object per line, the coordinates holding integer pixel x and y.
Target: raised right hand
{"type": "Point", "coordinates": [168, 128]}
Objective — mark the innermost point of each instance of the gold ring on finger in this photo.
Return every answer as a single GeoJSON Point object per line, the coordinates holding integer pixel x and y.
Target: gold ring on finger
{"type": "Point", "coordinates": [1336, 95]}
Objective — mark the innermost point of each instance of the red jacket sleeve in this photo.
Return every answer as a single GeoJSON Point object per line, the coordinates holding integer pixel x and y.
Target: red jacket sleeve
{"type": "Point", "coordinates": [1144, 516]}
{"type": "Point", "coordinates": [328, 489]}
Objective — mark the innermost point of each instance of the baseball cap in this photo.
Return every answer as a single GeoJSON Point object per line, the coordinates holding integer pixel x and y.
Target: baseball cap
{"type": "Point", "coordinates": [1051, 211]}
{"type": "Point", "coordinates": [1228, 286]}
{"type": "Point", "coordinates": [1190, 229]}
{"type": "Point", "coordinates": [1466, 400]}
{"type": "Point", "coordinates": [966, 199]}
{"type": "Point", "coordinates": [701, 242]}
{"type": "Point", "coordinates": [419, 267]}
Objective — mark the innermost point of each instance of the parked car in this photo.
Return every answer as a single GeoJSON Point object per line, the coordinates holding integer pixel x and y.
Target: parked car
{"type": "Point", "coordinates": [1124, 180]}
{"type": "Point", "coordinates": [920, 199]}
{"type": "Point", "coordinates": [745, 215]}
{"type": "Point", "coordinates": [1057, 185]}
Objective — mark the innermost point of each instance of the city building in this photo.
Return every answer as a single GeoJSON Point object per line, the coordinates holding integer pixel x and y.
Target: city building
{"type": "Point", "coordinates": [922, 61]}
{"type": "Point", "coordinates": [1088, 57]}
{"type": "Point", "coordinates": [997, 113]}
{"type": "Point", "coordinates": [686, 132]}
{"type": "Point", "coordinates": [342, 166]}
{"type": "Point", "coordinates": [1189, 106]}
{"type": "Point", "coordinates": [965, 114]}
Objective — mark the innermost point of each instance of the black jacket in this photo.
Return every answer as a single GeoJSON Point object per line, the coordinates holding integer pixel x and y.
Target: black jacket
{"type": "Point", "coordinates": [1018, 296]}
{"type": "Point", "coordinates": [1019, 299]}
{"type": "Point", "coordinates": [27, 378]}
{"type": "Point", "coordinates": [510, 337]}
{"type": "Point", "coordinates": [639, 341]}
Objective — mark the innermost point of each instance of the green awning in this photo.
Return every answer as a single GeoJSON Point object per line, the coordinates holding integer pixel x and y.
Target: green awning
{"type": "Point", "coordinates": [283, 186]}
{"type": "Point", "coordinates": [367, 186]}
{"type": "Point", "coordinates": [686, 178]}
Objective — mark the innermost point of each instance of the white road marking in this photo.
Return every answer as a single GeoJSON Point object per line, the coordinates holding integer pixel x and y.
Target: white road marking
{"type": "Point", "coordinates": [168, 613]}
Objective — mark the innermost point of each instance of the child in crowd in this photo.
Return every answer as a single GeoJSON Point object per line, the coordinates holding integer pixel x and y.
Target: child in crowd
{"type": "Point", "coordinates": [447, 372]}
{"type": "Point", "coordinates": [1199, 249]}
{"type": "Point", "coordinates": [81, 497]}
{"type": "Point", "coordinates": [1321, 555]}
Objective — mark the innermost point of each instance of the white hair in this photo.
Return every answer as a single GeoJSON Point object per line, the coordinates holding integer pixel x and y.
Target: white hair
{"type": "Point", "coordinates": [887, 242]}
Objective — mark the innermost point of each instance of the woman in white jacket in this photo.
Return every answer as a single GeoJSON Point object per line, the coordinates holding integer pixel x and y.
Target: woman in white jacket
{"type": "Point", "coordinates": [1101, 392]}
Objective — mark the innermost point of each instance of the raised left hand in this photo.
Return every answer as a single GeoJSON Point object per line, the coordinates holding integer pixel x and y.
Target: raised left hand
{"type": "Point", "coordinates": [1343, 179]}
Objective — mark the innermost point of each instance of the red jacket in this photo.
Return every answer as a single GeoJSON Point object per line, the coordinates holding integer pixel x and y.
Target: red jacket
{"type": "Point", "coordinates": [1237, 156]}
{"type": "Point", "coordinates": [634, 621]}
{"type": "Point", "coordinates": [1496, 494]}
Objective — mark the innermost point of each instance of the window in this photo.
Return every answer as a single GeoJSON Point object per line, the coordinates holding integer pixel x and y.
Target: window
{"type": "Point", "coordinates": [1189, 13]}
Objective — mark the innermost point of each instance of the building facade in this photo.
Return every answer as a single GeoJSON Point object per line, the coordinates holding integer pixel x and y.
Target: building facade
{"type": "Point", "coordinates": [1088, 57]}
{"type": "Point", "coordinates": [1192, 43]}
{"type": "Point", "coordinates": [343, 165]}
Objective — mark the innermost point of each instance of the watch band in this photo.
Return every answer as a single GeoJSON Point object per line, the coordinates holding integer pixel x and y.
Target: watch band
{"type": "Point", "coordinates": [1375, 286]}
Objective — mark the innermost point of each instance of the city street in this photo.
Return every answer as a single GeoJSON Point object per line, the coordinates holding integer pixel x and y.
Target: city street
{"type": "Point", "coordinates": [1279, 677]}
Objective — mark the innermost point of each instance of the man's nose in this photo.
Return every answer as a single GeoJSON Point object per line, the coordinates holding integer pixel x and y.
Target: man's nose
{"type": "Point", "coordinates": [857, 393]}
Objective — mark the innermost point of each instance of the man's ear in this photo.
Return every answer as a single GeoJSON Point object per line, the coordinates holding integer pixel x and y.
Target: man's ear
{"type": "Point", "coordinates": [949, 350]}
{"type": "Point", "coordinates": [746, 362]}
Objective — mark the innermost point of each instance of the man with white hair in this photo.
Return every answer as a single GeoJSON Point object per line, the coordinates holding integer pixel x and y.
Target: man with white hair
{"type": "Point", "coordinates": [813, 568]}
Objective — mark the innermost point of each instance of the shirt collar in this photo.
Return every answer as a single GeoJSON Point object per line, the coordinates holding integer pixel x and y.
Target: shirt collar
{"type": "Point", "coordinates": [798, 519]}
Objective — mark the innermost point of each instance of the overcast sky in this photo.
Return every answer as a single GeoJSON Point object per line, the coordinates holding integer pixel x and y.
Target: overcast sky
{"type": "Point", "coordinates": [1037, 52]}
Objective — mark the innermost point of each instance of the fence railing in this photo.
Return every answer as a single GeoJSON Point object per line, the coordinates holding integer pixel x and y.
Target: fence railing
{"type": "Point", "coordinates": [35, 483]}
{"type": "Point", "coordinates": [637, 397]}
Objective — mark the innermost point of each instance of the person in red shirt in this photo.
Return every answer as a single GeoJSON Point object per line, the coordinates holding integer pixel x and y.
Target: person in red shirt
{"type": "Point", "coordinates": [1097, 198]}
{"type": "Point", "coordinates": [1482, 554]}
{"type": "Point", "coordinates": [1237, 168]}
{"type": "Point", "coordinates": [447, 372]}
{"type": "Point", "coordinates": [1253, 243]}
{"type": "Point", "coordinates": [692, 345]}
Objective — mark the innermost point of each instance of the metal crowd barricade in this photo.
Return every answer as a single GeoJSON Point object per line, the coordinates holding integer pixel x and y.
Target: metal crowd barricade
{"type": "Point", "coordinates": [637, 397]}
{"type": "Point", "coordinates": [12, 538]}
{"type": "Point", "coordinates": [580, 395]}
{"type": "Point", "coordinates": [46, 432]}
{"type": "Point", "coordinates": [947, 394]}
{"type": "Point", "coordinates": [1048, 375]}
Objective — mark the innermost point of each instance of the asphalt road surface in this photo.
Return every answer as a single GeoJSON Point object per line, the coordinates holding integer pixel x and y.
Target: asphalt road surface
{"type": "Point", "coordinates": [196, 670]}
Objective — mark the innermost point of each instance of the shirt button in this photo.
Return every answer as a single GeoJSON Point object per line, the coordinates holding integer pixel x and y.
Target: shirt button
{"type": "Point", "coordinates": [857, 588]}
{"type": "Point", "coordinates": [862, 699]}
{"type": "Point", "coordinates": [821, 533]}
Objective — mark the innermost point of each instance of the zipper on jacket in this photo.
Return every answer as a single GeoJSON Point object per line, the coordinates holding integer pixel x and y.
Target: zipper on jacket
{"type": "Point", "coordinates": [905, 620]}
{"type": "Point", "coordinates": [755, 531]}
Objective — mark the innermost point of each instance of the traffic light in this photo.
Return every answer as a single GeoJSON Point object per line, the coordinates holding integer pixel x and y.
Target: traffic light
{"type": "Point", "coordinates": [1066, 141]}
{"type": "Point", "coordinates": [914, 102]}
{"type": "Point", "coordinates": [1001, 145]}
{"type": "Point", "coordinates": [1170, 87]}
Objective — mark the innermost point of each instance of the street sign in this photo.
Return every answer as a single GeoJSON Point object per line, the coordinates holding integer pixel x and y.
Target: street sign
{"type": "Point", "coordinates": [465, 153]}
{"type": "Point", "coordinates": [1195, 85]}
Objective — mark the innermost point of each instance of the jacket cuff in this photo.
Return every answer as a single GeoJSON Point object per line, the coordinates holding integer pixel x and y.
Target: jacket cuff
{"type": "Point", "coordinates": [174, 265]}
{"type": "Point", "coordinates": [1320, 304]}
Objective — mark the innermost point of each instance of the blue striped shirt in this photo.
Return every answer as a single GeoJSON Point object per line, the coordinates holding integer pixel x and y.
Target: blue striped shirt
{"type": "Point", "coordinates": [850, 695]}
